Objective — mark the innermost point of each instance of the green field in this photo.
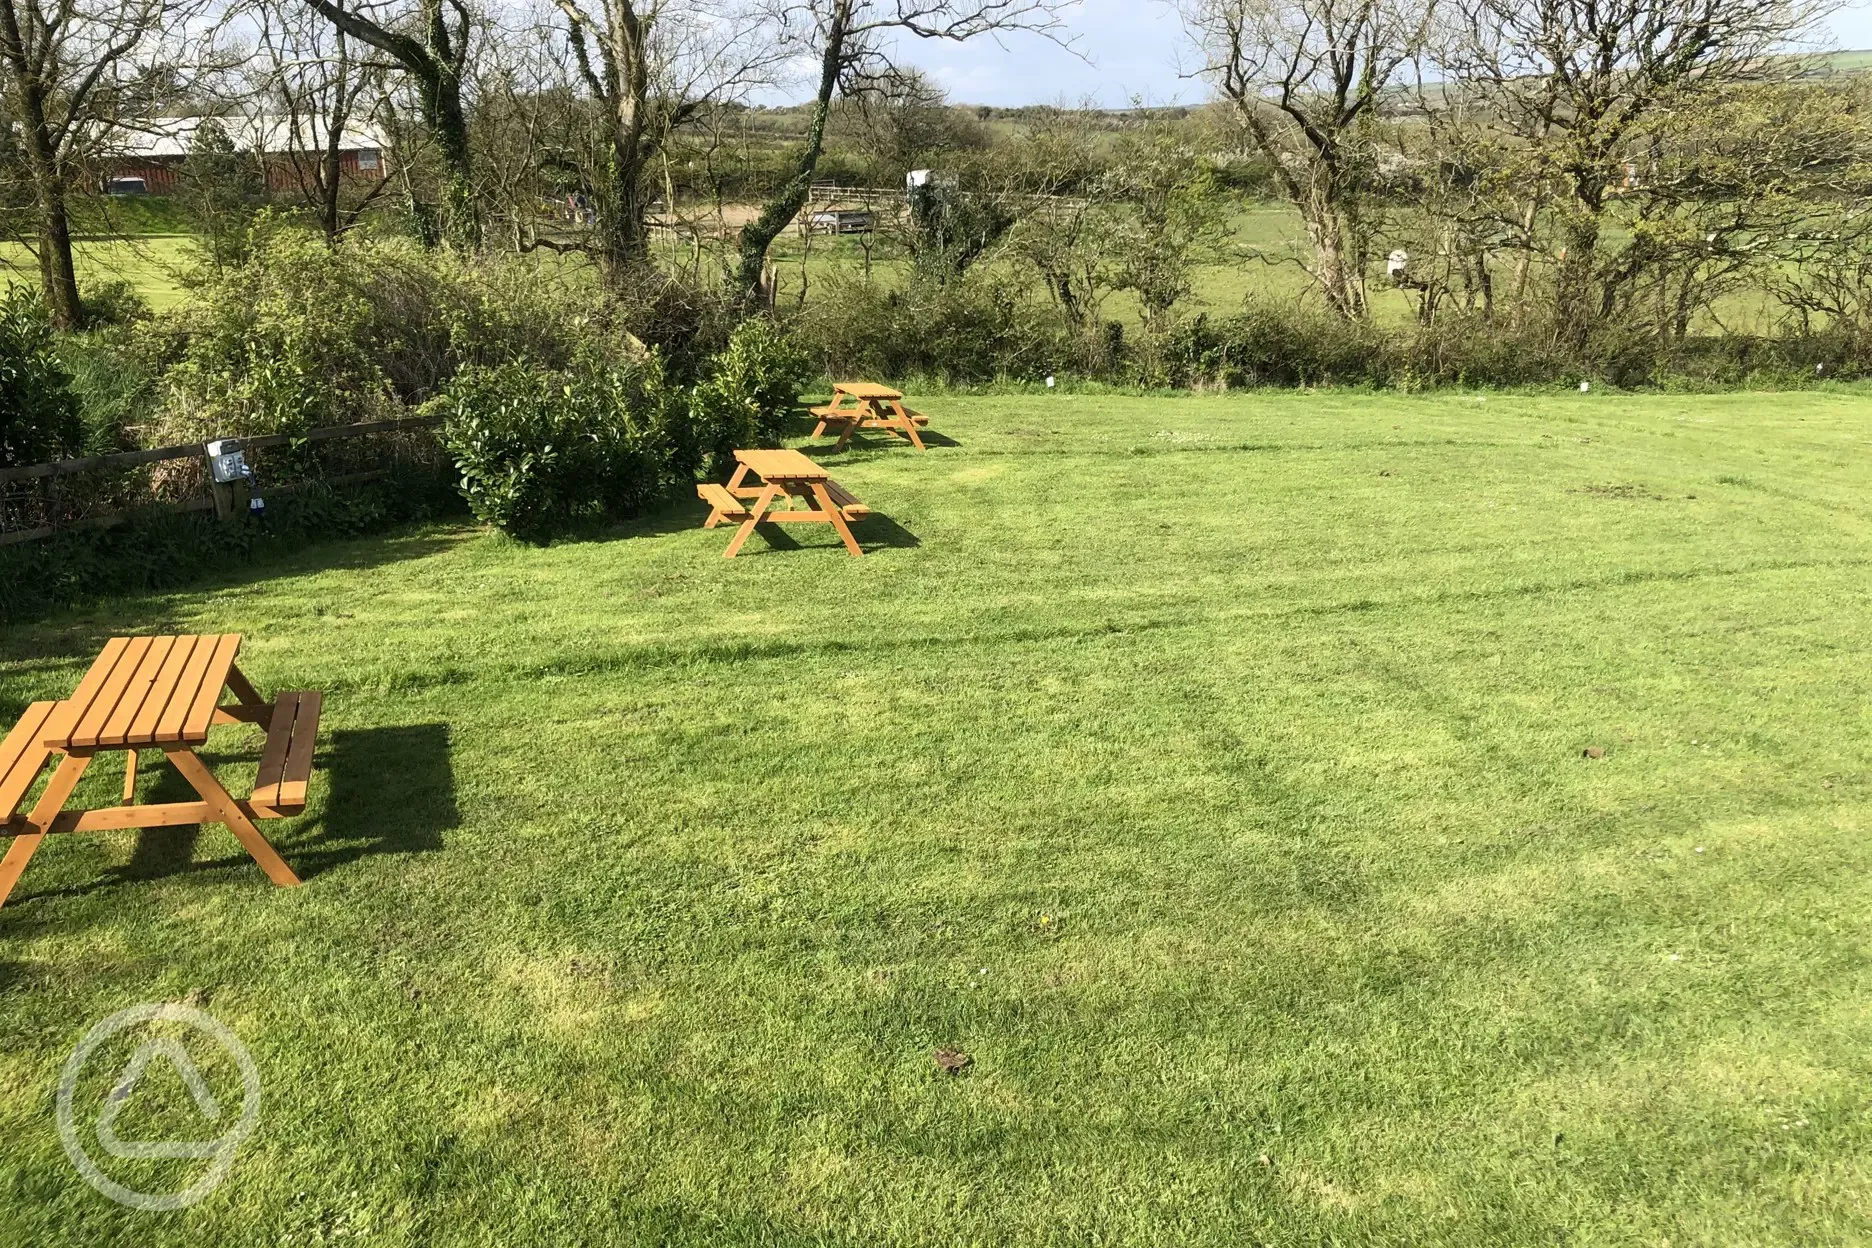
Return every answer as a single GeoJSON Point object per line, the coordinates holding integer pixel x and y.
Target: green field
{"type": "Point", "coordinates": [154, 265]}
{"type": "Point", "coordinates": [1209, 770]}
{"type": "Point", "coordinates": [1265, 243]}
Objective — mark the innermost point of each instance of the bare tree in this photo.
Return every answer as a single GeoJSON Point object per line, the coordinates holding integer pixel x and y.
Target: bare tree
{"type": "Point", "coordinates": [650, 66]}
{"type": "Point", "coordinates": [1579, 82]}
{"type": "Point", "coordinates": [1306, 79]}
{"type": "Point", "coordinates": [315, 94]}
{"type": "Point", "coordinates": [847, 39]}
{"type": "Point", "coordinates": [437, 59]}
{"type": "Point", "coordinates": [75, 71]}
{"type": "Point", "coordinates": [1066, 228]}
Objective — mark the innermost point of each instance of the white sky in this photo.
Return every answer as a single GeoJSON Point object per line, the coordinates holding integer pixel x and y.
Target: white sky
{"type": "Point", "coordinates": [1134, 47]}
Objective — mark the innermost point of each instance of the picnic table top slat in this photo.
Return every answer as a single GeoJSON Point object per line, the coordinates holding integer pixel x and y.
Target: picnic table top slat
{"type": "Point", "coordinates": [58, 727]}
{"type": "Point", "coordinates": [782, 466]}
{"type": "Point", "coordinates": [142, 687]}
{"type": "Point", "coordinates": [91, 726]}
{"type": "Point", "coordinates": [145, 691]}
{"type": "Point", "coordinates": [865, 390]}
{"type": "Point", "coordinates": [188, 684]}
{"type": "Point", "coordinates": [201, 714]}
{"type": "Point", "coordinates": [143, 727]}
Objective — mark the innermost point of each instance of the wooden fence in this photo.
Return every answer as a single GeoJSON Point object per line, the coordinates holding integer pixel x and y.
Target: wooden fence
{"type": "Point", "coordinates": [49, 475]}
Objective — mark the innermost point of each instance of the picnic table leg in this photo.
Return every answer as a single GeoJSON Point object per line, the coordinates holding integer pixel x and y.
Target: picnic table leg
{"type": "Point", "coordinates": [851, 427]}
{"type": "Point", "coordinates": [58, 789]}
{"type": "Point", "coordinates": [223, 807]}
{"type": "Point", "coordinates": [909, 427]}
{"type": "Point", "coordinates": [130, 764]}
{"type": "Point", "coordinates": [838, 520]}
{"type": "Point", "coordinates": [249, 697]}
{"type": "Point", "coordinates": [761, 504]}
{"type": "Point", "coordinates": [740, 475]}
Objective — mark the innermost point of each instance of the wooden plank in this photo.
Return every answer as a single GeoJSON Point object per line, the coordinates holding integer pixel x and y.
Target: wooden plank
{"type": "Point", "coordinates": [304, 745]}
{"type": "Point", "coordinates": [22, 755]}
{"type": "Point", "coordinates": [243, 688]}
{"type": "Point", "coordinates": [86, 732]}
{"type": "Point", "coordinates": [838, 522]}
{"type": "Point", "coordinates": [169, 726]}
{"type": "Point", "coordinates": [341, 431]}
{"type": "Point", "coordinates": [866, 390]}
{"type": "Point", "coordinates": [143, 687]}
{"type": "Point", "coordinates": [116, 818]}
{"type": "Point", "coordinates": [118, 459]}
{"type": "Point", "coordinates": [59, 725]}
{"type": "Point", "coordinates": [214, 682]}
{"type": "Point", "coordinates": [109, 519]}
{"type": "Point", "coordinates": [142, 729]}
{"type": "Point", "coordinates": [273, 756]}
{"type": "Point", "coordinates": [785, 465]}
{"type": "Point", "coordinates": [761, 504]}
{"type": "Point", "coordinates": [726, 506]}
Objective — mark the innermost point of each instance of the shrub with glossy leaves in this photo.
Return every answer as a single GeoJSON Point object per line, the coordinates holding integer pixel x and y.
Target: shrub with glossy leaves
{"type": "Point", "coordinates": [540, 452]}
{"type": "Point", "coordinates": [39, 414]}
{"type": "Point", "coordinates": [750, 393]}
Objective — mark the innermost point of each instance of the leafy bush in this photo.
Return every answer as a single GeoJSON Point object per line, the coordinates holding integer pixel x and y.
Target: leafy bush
{"type": "Point", "coordinates": [975, 328]}
{"type": "Point", "coordinates": [541, 452]}
{"type": "Point", "coordinates": [113, 303]}
{"type": "Point", "coordinates": [750, 393]}
{"type": "Point", "coordinates": [301, 334]}
{"type": "Point", "coordinates": [39, 414]}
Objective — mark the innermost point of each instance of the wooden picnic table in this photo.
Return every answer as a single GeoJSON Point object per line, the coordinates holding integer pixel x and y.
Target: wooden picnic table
{"type": "Point", "coordinates": [783, 474]}
{"type": "Point", "coordinates": [156, 693]}
{"type": "Point", "coordinates": [859, 405]}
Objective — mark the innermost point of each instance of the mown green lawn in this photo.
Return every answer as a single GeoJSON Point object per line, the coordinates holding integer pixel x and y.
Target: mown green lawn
{"type": "Point", "coordinates": [1209, 770]}
{"type": "Point", "coordinates": [155, 265]}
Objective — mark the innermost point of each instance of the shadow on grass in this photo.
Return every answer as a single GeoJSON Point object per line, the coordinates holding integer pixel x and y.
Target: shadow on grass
{"type": "Point", "coordinates": [875, 441]}
{"type": "Point", "coordinates": [74, 635]}
{"type": "Point", "coordinates": [392, 791]}
{"type": "Point", "coordinates": [874, 532]}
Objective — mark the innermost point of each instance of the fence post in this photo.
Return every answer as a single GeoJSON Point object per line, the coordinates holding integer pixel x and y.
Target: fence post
{"type": "Point", "coordinates": [226, 465]}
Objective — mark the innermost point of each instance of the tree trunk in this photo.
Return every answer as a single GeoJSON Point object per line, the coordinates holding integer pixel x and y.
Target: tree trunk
{"type": "Point", "coordinates": [331, 170]}
{"type": "Point", "coordinates": [1575, 310]}
{"type": "Point", "coordinates": [434, 62]}
{"type": "Point", "coordinates": [758, 235]}
{"type": "Point", "coordinates": [442, 110]}
{"type": "Point", "coordinates": [57, 276]}
{"type": "Point", "coordinates": [1342, 286]}
{"type": "Point", "coordinates": [624, 231]}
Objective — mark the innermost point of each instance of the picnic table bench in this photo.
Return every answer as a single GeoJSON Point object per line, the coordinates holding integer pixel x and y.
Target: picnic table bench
{"type": "Point", "coordinates": [859, 405]}
{"type": "Point", "coordinates": [783, 474]}
{"type": "Point", "coordinates": [156, 693]}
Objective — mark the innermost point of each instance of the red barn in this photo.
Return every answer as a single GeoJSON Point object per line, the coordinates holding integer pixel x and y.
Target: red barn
{"type": "Point", "coordinates": [148, 156]}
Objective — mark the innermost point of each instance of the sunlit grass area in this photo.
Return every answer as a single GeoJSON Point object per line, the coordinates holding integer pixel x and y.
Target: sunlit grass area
{"type": "Point", "coordinates": [1210, 771]}
{"type": "Point", "coordinates": [153, 264]}
{"type": "Point", "coordinates": [1261, 261]}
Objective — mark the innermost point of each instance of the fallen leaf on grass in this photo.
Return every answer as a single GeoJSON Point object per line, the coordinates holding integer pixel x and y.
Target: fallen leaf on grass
{"type": "Point", "coordinates": [1595, 751]}
{"type": "Point", "coordinates": [953, 1061]}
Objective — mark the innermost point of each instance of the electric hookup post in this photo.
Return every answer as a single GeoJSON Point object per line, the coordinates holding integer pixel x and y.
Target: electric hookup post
{"type": "Point", "coordinates": [231, 478]}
